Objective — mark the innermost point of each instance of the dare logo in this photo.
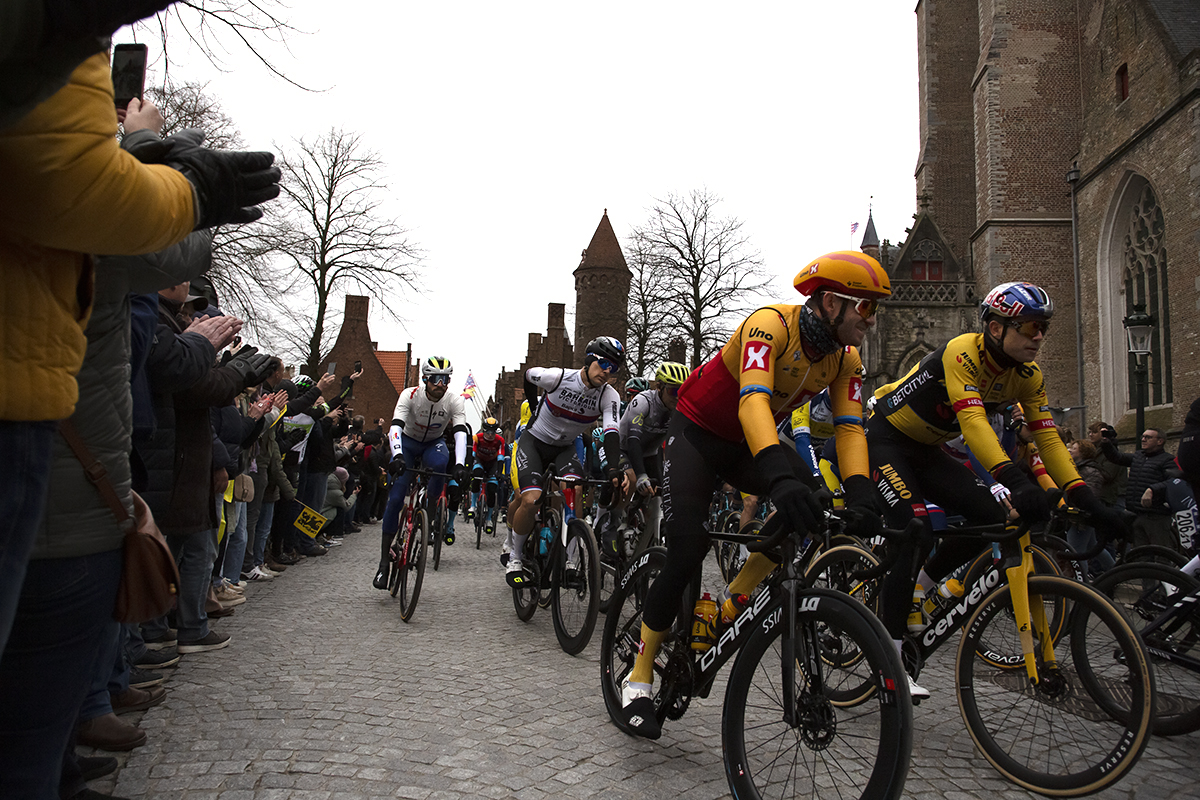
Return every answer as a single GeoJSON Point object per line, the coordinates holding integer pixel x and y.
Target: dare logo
{"type": "Point", "coordinates": [756, 356]}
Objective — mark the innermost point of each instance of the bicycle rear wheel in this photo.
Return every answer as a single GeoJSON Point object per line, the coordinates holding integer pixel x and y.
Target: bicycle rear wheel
{"type": "Point", "coordinates": [832, 751]}
{"type": "Point", "coordinates": [623, 632]}
{"type": "Point", "coordinates": [439, 530]}
{"type": "Point", "coordinates": [1056, 737]}
{"type": "Point", "coordinates": [479, 525]}
{"type": "Point", "coordinates": [574, 589]}
{"type": "Point", "coordinates": [1145, 591]}
{"type": "Point", "coordinates": [413, 573]}
{"type": "Point", "coordinates": [525, 597]}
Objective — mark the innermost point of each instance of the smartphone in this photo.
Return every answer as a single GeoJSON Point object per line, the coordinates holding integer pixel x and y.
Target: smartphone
{"type": "Point", "coordinates": [358, 366]}
{"type": "Point", "coordinates": [128, 72]}
{"type": "Point", "coordinates": [331, 368]}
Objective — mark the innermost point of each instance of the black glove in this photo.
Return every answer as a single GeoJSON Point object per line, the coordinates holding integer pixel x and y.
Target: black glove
{"type": "Point", "coordinates": [800, 506]}
{"type": "Point", "coordinates": [252, 366]}
{"type": "Point", "coordinates": [863, 500]}
{"type": "Point", "coordinates": [1027, 497]}
{"type": "Point", "coordinates": [1110, 523]}
{"type": "Point", "coordinates": [396, 467]}
{"type": "Point", "coordinates": [229, 184]}
{"type": "Point", "coordinates": [460, 474]}
{"type": "Point", "coordinates": [613, 474]}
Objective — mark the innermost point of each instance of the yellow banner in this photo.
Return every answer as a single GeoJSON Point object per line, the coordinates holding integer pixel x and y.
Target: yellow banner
{"type": "Point", "coordinates": [309, 522]}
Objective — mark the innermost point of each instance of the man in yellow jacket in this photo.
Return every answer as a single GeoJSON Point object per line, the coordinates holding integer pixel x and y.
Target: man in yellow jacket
{"type": "Point", "coordinates": [67, 191]}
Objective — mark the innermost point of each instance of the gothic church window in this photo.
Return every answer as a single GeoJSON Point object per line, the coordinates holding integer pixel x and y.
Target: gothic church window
{"type": "Point", "coordinates": [1145, 282]}
{"type": "Point", "coordinates": [927, 261]}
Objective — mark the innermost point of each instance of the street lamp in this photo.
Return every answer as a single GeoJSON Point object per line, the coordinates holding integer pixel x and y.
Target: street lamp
{"type": "Point", "coordinates": [1139, 331]}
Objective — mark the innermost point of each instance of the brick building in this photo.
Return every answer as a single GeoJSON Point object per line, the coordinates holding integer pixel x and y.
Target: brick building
{"type": "Point", "coordinates": [1016, 98]}
{"type": "Point", "coordinates": [385, 372]}
{"type": "Point", "coordinates": [601, 309]}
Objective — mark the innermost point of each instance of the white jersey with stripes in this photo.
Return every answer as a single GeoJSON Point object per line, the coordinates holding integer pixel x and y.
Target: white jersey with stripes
{"type": "Point", "coordinates": [570, 407]}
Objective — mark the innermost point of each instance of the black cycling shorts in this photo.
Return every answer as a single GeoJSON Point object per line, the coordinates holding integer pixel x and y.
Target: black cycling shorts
{"type": "Point", "coordinates": [531, 456]}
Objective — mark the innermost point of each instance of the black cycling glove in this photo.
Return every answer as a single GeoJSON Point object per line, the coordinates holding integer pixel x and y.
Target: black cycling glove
{"type": "Point", "coordinates": [461, 475]}
{"type": "Point", "coordinates": [863, 499]}
{"type": "Point", "coordinates": [252, 366]}
{"type": "Point", "coordinates": [229, 184]}
{"type": "Point", "coordinates": [800, 506]}
{"type": "Point", "coordinates": [1109, 523]}
{"type": "Point", "coordinates": [396, 467]}
{"type": "Point", "coordinates": [1027, 497]}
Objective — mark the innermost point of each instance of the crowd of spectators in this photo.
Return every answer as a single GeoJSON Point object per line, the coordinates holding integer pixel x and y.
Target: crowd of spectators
{"type": "Point", "coordinates": [113, 335]}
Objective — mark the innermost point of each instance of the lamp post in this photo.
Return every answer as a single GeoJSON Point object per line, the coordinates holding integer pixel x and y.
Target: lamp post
{"type": "Point", "coordinates": [1139, 330]}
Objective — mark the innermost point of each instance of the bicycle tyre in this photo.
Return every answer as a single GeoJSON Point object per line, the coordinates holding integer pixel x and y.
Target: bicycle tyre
{"type": "Point", "coordinates": [575, 604]}
{"type": "Point", "coordinates": [414, 572]}
{"type": "Point", "coordinates": [833, 570]}
{"type": "Point", "coordinates": [439, 530]}
{"type": "Point", "coordinates": [397, 544]}
{"type": "Point", "coordinates": [1155, 554]}
{"type": "Point", "coordinates": [1043, 564]}
{"type": "Point", "coordinates": [1077, 747]}
{"type": "Point", "coordinates": [623, 633]}
{"type": "Point", "coordinates": [1144, 591]}
{"type": "Point", "coordinates": [478, 527]}
{"type": "Point", "coordinates": [525, 597]}
{"type": "Point", "coordinates": [867, 748]}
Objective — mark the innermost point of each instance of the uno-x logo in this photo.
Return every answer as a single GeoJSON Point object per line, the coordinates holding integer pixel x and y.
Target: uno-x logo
{"type": "Point", "coordinates": [755, 355]}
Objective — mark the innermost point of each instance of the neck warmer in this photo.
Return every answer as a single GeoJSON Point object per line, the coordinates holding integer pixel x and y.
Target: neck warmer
{"type": "Point", "coordinates": [816, 334]}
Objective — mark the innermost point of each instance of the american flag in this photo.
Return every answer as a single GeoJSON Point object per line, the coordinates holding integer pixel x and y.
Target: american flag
{"type": "Point", "coordinates": [853, 228]}
{"type": "Point", "coordinates": [469, 387]}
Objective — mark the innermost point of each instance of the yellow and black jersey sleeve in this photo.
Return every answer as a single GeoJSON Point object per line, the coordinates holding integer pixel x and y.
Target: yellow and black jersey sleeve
{"type": "Point", "coordinates": [1050, 448]}
{"type": "Point", "coordinates": [756, 347]}
{"type": "Point", "coordinates": [962, 370]}
{"type": "Point", "coordinates": [846, 400]}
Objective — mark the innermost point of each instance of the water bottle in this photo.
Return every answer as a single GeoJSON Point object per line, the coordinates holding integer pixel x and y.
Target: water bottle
{"type": "Point", "coordinates": [704, 623]}
{"type": "Point", "coordinates": [544, 540]}
{"type": "Point", "coordinates": [948, 590]}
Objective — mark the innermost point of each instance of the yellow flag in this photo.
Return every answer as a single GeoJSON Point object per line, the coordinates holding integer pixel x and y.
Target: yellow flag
{"type": "Point", "coordinates": [309, 522]}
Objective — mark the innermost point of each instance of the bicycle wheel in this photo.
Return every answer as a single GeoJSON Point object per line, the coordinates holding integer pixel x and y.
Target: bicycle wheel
{"type": "Point", "coordinates": [1056, 737]}
{"type": "Point", "coordinates": [1056, 608]}
{"type": "Point", "coordinates": [623, 632]}
{"type": "Point", "coordinates": [834, 570]}
{"type": "Point", "coordinates": [1145, 591]}
{"type": "Point", "coordinates": [439, 530]}
{"type": "Point", "coordinates": [574, 595]}
{"type": "Point", "coordinates": [729, 554]}
{"type": "Point", "coordinates": [396, 549]}
{"type": "Point", "coordinates": [833, 751]}
{"type": "Point", "coordinates": [1155, 553]}
{"type": "Point", "coordinates": [525, 597]}
{"type": "Point", "coordinates": [414, 570]}
{"type": "Point", "coordinates": [478, 526]}
{"type": "Point", "coordinates": [543, 563]}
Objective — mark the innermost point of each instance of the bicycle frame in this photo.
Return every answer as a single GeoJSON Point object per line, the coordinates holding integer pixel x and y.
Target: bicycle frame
{"type": "Point", "coordinates": [1180, 608]}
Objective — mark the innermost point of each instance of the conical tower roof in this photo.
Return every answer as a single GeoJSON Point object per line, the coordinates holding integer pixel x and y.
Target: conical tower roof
{"type": "Point", "coordinates": [870, 237]}
{"type": "Point", "coordinates": [603, 251]}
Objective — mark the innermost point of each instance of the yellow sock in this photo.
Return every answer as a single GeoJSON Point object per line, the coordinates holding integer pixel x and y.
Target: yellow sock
{"type": "Point", "coordinates": [757, 567]}
{"type": "Point", "coordinates": [643, 665]}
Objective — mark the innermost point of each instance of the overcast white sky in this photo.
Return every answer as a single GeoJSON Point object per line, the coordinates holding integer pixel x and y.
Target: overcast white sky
{"type": "Point", "coordinates": [508, 128]}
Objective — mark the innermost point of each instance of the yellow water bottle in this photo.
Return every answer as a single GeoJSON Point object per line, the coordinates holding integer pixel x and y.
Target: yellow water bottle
{"type": "Point", "coordinates": [704, 623]}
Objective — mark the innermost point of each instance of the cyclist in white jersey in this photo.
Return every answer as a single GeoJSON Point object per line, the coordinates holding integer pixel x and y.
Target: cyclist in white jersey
{"type": "Point", "coordinates": [573, 402]}
{"type": "Point", "coordinates": [422, 417]}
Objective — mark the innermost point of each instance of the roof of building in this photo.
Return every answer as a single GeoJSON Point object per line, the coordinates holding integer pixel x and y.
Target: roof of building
{"type": "Point", "coordinates": [1181, 23]}
{"type": "Point", "coordinates": [870, 237]}
{"type": "Point", "coordinates": [395, 364]}
{"type": "Point", "coordinates": [604, 251]}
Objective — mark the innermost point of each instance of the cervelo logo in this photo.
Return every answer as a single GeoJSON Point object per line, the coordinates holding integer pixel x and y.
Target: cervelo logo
{"type": "Point", "coordinates": [733, 630]}
{"type": "Point", "coordinates": [755, 356]}
{"type": "Point", "coordinates": [959, 610]}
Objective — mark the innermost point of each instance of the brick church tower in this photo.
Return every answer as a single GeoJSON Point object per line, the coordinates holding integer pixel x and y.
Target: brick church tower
{"type": "Point", "coordinates": [601, 289]}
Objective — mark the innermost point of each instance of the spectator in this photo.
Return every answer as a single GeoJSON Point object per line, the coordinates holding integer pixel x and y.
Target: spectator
{"type": "Point", "coordinates": [1112, 491]}
{"type": "Point", "coordinates": [1148, 466]}
{"type": "Point", "coordinates": [1081, 538]}
{"type": "Point", "coordinates": [338, 505]}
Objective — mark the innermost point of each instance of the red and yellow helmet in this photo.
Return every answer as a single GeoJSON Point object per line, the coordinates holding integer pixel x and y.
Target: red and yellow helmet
{"type": "Point", "coordinates": [844, 272]}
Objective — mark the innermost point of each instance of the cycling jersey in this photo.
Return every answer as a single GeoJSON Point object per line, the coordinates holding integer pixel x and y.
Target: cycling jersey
{"type": "Point", "coordinates": [488, 451]}
{"type": "Point", "coordinates": [570, 407]}
{"type": "Point", "coordinates": [814, 418]}
{"type": "Point", "coordinates": [951, 392]}
{"type": "Point", "coordinates": [424, 420]}
{"type": "Point", "coordinates": [763, 373]}
{"type": "Point", "coordinates": [646, 419]}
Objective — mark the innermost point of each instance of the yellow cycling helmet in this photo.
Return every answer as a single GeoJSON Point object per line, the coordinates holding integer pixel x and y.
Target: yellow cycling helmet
{"type": "Point", "coordinates": [671, 373]}
{"type": "Point", "coordinates": [844, 272]}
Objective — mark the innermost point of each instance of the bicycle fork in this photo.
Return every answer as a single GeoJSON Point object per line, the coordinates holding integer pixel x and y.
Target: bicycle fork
{"type": "Point", "coordinates": [1029, 613]}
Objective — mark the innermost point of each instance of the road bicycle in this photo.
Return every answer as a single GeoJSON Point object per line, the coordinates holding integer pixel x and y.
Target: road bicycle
{"type": "Point", "coordinates": [1162, 604]}
{"type": "Point", "coordinates": [483, 517]}
{"type": "Point", "coordinates": [561, 568]}
{"type": "Point", "coordinates": [1054, 686]}
{"type": "Point", "coordinates": [816, 704]}
{"type": "Point", "coordinates": [408, 549]}
{"type": "Point", "coordinates": [441, 517]}
{"type": "Point", "coordinates": [632, 538]}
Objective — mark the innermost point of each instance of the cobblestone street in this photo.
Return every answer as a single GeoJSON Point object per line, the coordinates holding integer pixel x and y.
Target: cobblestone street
{"type": "Point", "coordinates": [326, 693]}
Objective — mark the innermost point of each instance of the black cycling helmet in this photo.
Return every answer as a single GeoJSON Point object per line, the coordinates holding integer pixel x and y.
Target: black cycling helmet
{"type": "Point", "coordinates": [604, 347]}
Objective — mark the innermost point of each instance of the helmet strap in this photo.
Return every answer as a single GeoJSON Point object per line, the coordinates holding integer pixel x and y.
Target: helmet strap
{"type": "Point", "coordinates": [995, 346]}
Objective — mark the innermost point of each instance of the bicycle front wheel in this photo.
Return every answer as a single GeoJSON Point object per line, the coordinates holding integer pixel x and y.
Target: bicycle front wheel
{"type": "Point", "coordinates": [413, 572]}
{"type": "Point", "coordinates": [622, 632]}
{"type": "Point", "coordinates": [830, 750]}
{"type": "Point", "coordinates": [439, 530]}
{"type": "Point", "coordinates": [1145, 591]}
{"type": "Point", "coordinates": [1056, 737]}
{"type": "Point", "coordinates": [574, 590]}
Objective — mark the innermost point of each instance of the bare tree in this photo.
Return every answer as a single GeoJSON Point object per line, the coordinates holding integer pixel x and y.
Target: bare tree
{"type": "Point", "coordinates": [188, 105]}
{"type": "Point", "coordinates": [647, 333]}
{"type": "Point", "coordinates": [705, 264]}
{"type": "Point", "coordinates": [334, 235]}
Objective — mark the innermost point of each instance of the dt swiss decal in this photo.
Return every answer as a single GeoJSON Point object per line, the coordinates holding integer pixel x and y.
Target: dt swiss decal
{"type": "Point", "coordinates": [856, 390]}
{"type": "Point", "coordinates": [755, 356]}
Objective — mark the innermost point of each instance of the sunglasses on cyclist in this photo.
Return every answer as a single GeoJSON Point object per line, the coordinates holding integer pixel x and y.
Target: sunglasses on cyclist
{"type": "Point", "coordinates": [439, 380]}
{"type": "Point", "coordinates": [1031, 327]}
{"type": "Point", "coordinates": [866, 307]}
{"type": "Point", "coordinates": [673, 391]}
{"type": "Point", "coordinates": [608, 365]}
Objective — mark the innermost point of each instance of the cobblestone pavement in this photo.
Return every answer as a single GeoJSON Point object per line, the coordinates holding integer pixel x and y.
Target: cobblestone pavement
{"type": "Point", "coordinates": [325, 693]}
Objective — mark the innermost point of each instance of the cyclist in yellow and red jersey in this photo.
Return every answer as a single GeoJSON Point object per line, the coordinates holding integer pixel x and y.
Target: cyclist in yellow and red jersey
{"type": "Point", "coordinates": [724, 428]}
{"type": "Point", "coordinates": [489, 449]}
{"type": "Point", "coordinates": [951, 392]}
